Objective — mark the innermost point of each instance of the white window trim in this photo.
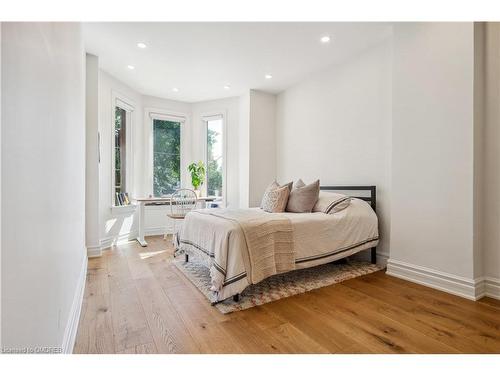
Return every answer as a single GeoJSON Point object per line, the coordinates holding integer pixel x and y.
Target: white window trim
{"type": "Point", "coordinates": [119, 100]}
{"type": "Point", "coordinates": [151, 114]}
{"type": "Point", "coordinates": [212, 115]}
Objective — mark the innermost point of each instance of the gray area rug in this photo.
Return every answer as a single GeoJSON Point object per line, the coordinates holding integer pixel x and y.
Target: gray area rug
{"type": "Point", "coordinates": [278, 286]}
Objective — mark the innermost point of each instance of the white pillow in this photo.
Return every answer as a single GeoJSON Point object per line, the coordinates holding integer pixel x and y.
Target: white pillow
{"type": "Point", "coordinates": [330, 203]}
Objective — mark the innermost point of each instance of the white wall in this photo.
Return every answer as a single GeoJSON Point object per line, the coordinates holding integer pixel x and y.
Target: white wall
{"type": "Point", "coordinates": [43, 181]}
{"type": "Point", "coordinates": [257, 146]}
{"type": "Point", "coordinates": [479, 131]}
{"type": "Point", "coordinates": [336, 126]}
{"type": "Point", "coordinates": [432, 152]}
{"type": "Point", "coordinates": [244, 150]}
{"type": "Point", "coordinates": [0, 185]}
{"type": "Point", "coordinates": [262, 146]}
{"type": "Point", "coordinates": [92, 219]}
{"type": "Point", "coordinates": [491, 154]}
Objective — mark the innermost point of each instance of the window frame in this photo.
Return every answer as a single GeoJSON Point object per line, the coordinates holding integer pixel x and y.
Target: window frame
{"type": "Point", "coordinates": [152, 114]}
{"type": "Point", "coordinates": [121, 101]}
{"type": "Point", "coordinates": [205, 117]}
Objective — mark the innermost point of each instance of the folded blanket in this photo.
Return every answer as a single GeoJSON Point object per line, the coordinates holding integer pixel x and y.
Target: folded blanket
{"type": "Point", "coordinates": [269, 239]}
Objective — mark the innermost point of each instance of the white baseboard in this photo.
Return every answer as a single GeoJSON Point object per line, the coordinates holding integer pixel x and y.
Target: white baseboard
{"type": "Point", "coordinates": [156, 231]}
{"type": "Point", "coordinates": [74, 314]}
{"type": "Point", "coordinates": [492, 288]}
{"type": "Point", "coordinates": [113, 240]}
{"type": "Point", "coordinates": [460, 286]}
{"type": "Point", "coordinates": [489, 287]}
{"type": "Point", "coordinates": [94, 251]}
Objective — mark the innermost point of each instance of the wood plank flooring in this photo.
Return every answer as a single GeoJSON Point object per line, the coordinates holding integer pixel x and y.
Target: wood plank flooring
{"type": "Point", "coordinates": [136, 301]}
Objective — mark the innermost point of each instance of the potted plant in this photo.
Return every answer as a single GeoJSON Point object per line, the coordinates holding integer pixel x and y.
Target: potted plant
{"type": "Point", "coordinates": [197, 171]}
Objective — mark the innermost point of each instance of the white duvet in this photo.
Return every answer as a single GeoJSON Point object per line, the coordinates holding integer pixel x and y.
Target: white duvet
{"type": "Point", "coordinates": [318, 238]}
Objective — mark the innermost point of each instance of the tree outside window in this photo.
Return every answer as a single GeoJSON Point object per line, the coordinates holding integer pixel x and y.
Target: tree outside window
{"type": "Point", "coordinates": [166, 157]}
{"type": "Point", "coordinates": [214, 157]}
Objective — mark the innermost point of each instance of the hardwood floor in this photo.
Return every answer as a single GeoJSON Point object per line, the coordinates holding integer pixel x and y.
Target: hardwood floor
{"type": "Point", "coordinates": [136, 301]}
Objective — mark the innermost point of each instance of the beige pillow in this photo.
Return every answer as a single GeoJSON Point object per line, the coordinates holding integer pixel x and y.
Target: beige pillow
{"type": "Point", "coordinates": [273, 186]}
{"type": "Point", "coordinates": [330, 203]}
{"type": "Point", "coordinates": [275, 200]}
{"type": "Point", "coordinates": [303, 199]}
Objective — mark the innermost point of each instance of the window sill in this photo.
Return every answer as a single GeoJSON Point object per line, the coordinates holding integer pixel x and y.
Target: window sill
{"type": "Point", "coordinates": [120, 210]}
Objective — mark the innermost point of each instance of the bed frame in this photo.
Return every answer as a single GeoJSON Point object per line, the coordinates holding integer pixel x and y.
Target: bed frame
{"type": "Point", "coordinates": [371, 198]}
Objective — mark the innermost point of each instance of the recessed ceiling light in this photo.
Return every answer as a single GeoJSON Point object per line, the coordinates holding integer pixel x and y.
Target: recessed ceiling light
{"type": "Point", "coordinates": [268, 76]}
{"type": "Point", "coordinates": [131, 67]}
{"type": "Point", "coordinates": [227, 87]}
{"type": "Point", "coordinates": [325, 39]}
{"type": "Point", "coordinates": [141, 45]}
{"type": "Point", "coordinates": [175, 89]}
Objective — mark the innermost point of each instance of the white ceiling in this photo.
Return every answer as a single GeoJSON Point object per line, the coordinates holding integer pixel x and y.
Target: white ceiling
{"type": "Point", "coordinates": [200, 58]}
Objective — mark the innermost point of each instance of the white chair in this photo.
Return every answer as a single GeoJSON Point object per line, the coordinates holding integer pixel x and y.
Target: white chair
{"type": "Point", "coordinates": [182, 201]}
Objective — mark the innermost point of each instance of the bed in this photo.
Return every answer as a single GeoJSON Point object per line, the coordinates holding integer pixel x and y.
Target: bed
{"type": "Point", "coordinates": [219, 240]}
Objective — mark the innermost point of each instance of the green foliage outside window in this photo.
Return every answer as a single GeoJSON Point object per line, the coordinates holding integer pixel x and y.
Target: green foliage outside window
{"type": "Point", "coordinates": [166, 157]}
{"type": "Point", "coordinates": [214, 165]}
{"type": "Point", "coordinates": [167, 160]}
{"type": "Point", "coordinates": [120, 151]}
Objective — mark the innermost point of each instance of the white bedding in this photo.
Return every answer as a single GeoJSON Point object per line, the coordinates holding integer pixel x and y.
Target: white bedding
{"type": "Point", "coordinates": [318, 238]}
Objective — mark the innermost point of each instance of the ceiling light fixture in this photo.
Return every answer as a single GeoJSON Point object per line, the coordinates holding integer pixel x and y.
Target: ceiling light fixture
{"type": "Point", "coordinates": [268, 76]}
{"type": "Point", "coordinates": [227, 87]}
{"type": "Point", "coordinates": [141, 45]}
{"type": "Point", "coordinates": [325, 39]}
{"type": "Point", "coordinates": [131, 67]}
{"type": "Point", "coordinates": [175, 89]}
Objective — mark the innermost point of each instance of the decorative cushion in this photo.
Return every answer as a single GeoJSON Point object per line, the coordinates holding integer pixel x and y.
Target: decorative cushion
{"type": "Point", "coordinates": [275, 200]}
{"type": "Point", "coordinates": [273, 186]}
{"type": "Point", "coordinates": [329, 202]}
{"type": "Point", "coordinates": [303, 199]}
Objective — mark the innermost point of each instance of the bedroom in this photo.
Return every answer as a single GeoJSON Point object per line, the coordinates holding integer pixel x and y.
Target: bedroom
{"type": "Point", "coordinates": [250, 187]}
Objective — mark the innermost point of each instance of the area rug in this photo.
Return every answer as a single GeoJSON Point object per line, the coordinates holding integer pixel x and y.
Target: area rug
{"type": "Point", "coordinates": [278, 286]}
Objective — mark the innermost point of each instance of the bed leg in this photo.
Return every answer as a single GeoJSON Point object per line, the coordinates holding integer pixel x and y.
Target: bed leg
{"type": "Point", "coordinates": [236, 298]}
{"type": "Point", "coordinates": [374, 255]}
{"type": "Point", "coordinates": [186, 257]}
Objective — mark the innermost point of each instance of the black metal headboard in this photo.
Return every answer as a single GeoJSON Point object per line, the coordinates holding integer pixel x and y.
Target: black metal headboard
{"type": "Point", "coordinates": [372, 198]}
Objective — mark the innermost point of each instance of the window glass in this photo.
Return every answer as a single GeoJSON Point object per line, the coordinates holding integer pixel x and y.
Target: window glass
{"type": "Point", "coordinates": [166, 157]}
{"type": "Point", "coordinates": [214, 157]}
{"type": "Point", "coordinates": [120, 134]}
